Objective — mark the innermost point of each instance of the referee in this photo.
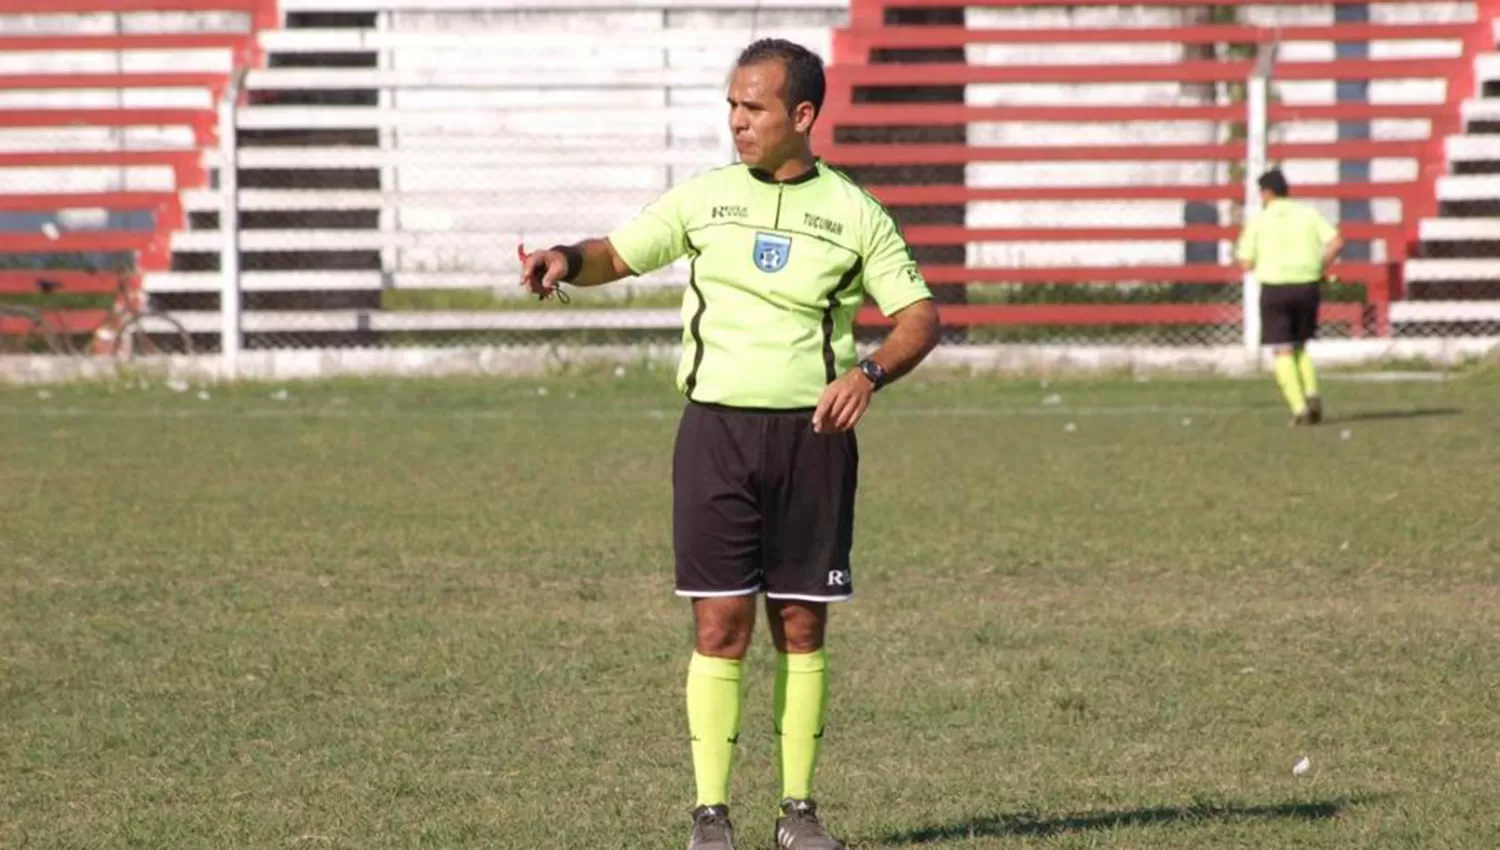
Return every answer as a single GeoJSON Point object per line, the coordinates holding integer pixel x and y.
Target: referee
{"type": "Point", "coordinates": [784, 250]}
{"type": "Point", "coordinates": [1288, 247]}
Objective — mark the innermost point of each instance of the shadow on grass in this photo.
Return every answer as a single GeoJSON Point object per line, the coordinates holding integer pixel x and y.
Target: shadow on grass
{"type": "Point", "coordinates": [1386, 415]}
{"type": "Point", "coordinates": [1033, 824]}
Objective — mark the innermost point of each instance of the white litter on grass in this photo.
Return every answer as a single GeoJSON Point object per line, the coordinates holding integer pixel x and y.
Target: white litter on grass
{"type": "Point", "coordinates": [203, 395]}
{"type": "Point", "coordinates": [1302, 766]}
{"type": "Point", "coordinates": [1052, 400]}
{"type": "Point", "coordinates": [1070, 427]}
{"type": "Point", "coordinates": [1186, 421]}
{"type": "Point", "coordinates": [1346, 434]}
{"type": "Point", "coordinates": [176, 385]}
{"type": "Point", "coordinates": [43, 395]}
{"type": "Point", "coordinates": [280, 395]}
{"type": "Point", "coordinates": [619, 371]}
{"type": "Point", "coordinates": [1246, 671]}
{"type": "Point", "coordinates": [1344, 547]}
{"type": "Point", "coordinates": [541, 390]}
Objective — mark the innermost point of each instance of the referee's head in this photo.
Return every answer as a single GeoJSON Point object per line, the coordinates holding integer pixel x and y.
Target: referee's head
{"type": "Point", "coordinates": [775, 95]}
{"type": "Point", "coordinates": [1273, 185]}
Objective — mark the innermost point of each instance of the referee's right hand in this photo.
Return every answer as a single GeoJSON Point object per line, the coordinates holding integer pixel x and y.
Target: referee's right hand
{"type": "Point", "coordinates": [541, 271]}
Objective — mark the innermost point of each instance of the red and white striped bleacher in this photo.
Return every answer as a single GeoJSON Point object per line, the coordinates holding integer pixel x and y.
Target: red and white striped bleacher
{"type": "Point", "coordinates": [105, 109]}
{"type": "Point", "coordinates": [1085, 143]}
{"type": "Point", "coordinates": [408, 144]}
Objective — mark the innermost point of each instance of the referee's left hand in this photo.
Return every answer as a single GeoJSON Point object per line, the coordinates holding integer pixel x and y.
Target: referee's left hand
{"type": "Point", "coordinates": [843, 403]}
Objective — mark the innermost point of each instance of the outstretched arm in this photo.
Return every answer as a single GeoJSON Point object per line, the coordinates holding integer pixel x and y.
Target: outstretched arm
{"type": "Point", "coordinates": [588, 263]}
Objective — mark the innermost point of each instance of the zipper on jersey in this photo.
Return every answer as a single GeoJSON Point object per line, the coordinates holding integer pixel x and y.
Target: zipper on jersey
{"type": "Point", "coordinates": [779, 191]}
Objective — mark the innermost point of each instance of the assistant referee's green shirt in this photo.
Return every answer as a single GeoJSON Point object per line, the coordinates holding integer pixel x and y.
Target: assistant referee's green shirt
{"type": "Point", "coordinates": [1286, 243]}
{"type": "Point", "coordinates": [778, 272]}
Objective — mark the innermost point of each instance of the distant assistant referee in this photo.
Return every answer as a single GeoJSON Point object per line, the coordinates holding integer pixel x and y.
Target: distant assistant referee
{"type": "Point", "coordinates": [784, 251]}
{"type": "Point", "coordinates": [1288, 247]}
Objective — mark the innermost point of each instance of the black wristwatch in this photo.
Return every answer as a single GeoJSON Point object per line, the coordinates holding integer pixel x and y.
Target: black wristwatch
{"type": "Point", "coordinates": [875, 372]}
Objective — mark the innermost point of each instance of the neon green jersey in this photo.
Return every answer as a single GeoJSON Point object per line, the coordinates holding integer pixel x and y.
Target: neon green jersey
{"type": "Point", "coordinates": [1286, 242]}
{"type": "Point", "coordinates": [778, 272]}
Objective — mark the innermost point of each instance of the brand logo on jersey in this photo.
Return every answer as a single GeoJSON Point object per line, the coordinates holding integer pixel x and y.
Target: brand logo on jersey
{"type": "Point", "coordinates": [731, 211]}
{"type": "Point", "coordinates": [838, 578]}
{"type": "Point", "coordinates": [771, 252]}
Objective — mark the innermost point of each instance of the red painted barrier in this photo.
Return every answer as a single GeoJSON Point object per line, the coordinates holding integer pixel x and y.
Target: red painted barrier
{"type": "Point", "coordinates": [185, 164]}
{"type": "Point", "coordinates": [1096, 315]}
{"type": "Point", "coordinates": [856, 66]}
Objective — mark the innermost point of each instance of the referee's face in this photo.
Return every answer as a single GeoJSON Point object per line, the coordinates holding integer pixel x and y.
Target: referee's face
{"type": "Point", "coordinates": [766, 132]}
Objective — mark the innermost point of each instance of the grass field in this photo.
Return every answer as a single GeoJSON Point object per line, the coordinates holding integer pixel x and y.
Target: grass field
{"type": "Point", "coordinates": [434, 614]}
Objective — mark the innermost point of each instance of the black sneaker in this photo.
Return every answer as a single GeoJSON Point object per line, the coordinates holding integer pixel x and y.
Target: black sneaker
{"type": "Point", "coordinates": [711, 829]}
{"type": "Point", "coordinates": [1314, 410]}
{"type": "Point", "coordinates": [1300, 420]}
{"type": "Point", "coordinates": [798, 828]}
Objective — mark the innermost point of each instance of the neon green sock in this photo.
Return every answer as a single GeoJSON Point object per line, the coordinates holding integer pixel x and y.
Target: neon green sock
{"type": "Point", "coordinates": [713, 708]}
{"type": "Point", "coordinates": [1291, 386]}
{"type": "Point", "coordinates": [1307, 373]}
{"type": "Point", "coordinates": [801, 700]}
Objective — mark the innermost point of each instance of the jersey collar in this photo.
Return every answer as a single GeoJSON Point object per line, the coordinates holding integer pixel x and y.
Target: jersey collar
{"type": "Point", "coordinates": [807, 176]}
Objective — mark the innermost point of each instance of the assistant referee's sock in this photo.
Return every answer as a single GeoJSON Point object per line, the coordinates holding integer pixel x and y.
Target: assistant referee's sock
{"type": "Point", "coordinates": [713, 709]}
{"type": "Point", "coordinates": [801, 702]}
{"type": "Point", "coordinates": [1290, 383]}
{"type": "Point", "coordinates": [1307, 374]}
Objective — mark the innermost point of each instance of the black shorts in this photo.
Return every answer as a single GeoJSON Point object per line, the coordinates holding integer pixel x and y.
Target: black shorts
{"type": "Point", "coordinates": [1288, 313]}
{"type": "Point", "coordinates": [761, 503]}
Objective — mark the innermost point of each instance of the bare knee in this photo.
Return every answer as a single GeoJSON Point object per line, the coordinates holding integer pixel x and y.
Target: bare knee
{"type": "Point", "coordinates": [723, 625]}
{"type": "Point", "coordinates": [797, 627]}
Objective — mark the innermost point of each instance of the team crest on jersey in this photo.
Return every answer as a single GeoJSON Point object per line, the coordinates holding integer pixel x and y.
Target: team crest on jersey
{"type": "Point", "coordinates": [772, 252]}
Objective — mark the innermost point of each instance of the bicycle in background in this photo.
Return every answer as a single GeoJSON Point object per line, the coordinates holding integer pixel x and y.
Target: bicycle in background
{"type": "Point", "coordinates": [131, 327]}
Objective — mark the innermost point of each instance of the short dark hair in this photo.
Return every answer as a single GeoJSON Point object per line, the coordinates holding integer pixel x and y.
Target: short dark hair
{"type": "Point", "coordinates": [804, 70]}
{"type": "Point", "coordinates": [1274, 181]}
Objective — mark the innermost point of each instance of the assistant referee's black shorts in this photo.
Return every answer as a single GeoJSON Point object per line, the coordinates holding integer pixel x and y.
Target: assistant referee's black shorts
{"type": "Point", "coordinates": [761, 503]}
{"type": "Point", "coordinates": [1288, 313]}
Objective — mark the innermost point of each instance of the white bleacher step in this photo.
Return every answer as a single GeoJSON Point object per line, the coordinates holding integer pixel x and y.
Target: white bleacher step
{"type": "Point", "coordinates": [352, 40]}
{"type": "Point", "coordinates": [1406, 312]}
{"type": "Point", "coordinates": [1469, 187]}
{"type": "Point", "coordinates": [1421, 270]}
{"type": "Point", "coordinates": [1459, 229]}
{"type": "Point", "coordinates": [569, 5]}
{"type": "Point", "coordinates": [98, 139]}
{"type": "Point", "coordinates": [500, 280]}
{"type": "Point", "coordinates": [1480, 109]}
{"type": "Point", "coordinates": [599, 220]}
{"type": "Point", "coordinates": [460, 77]}
{"type": "Point", "coordinates": [598, 122]}
{"type": "Point", "coordinates": [1486, 66]}
{"type": "Point", "coordinates": [328, 158]}
{"type": "Point", "coordinates": [1472, 147]}
{"type": "Point", "coordinates": [351, 321]}
{"type": "Point", "coordinates": [314, 239]}
{"type": "Point", "coordinates": [210, 200]}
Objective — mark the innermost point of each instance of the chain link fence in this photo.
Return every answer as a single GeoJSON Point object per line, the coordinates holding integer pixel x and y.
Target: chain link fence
{"type": "Point", "coordinates": [387, 165]}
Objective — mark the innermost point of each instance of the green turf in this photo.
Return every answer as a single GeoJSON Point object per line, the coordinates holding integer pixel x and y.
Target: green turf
{"type": "Point", "coordinates": [431, 614]}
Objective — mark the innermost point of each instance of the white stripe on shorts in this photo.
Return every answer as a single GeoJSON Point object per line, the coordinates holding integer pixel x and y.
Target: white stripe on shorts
{"type": "Point", "coordinates": [716, 594]}
{"type": "Point", "coordinates": [802, 597]}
